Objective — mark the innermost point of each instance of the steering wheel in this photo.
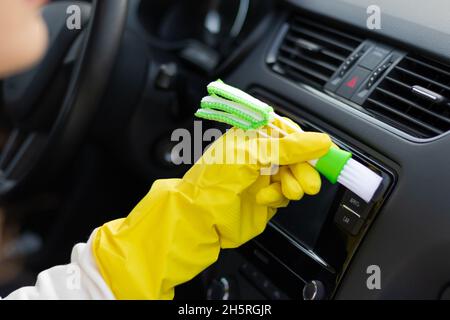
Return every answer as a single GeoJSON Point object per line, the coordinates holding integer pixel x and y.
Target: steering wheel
{"type": "Point", "coordinates": [54, 104]}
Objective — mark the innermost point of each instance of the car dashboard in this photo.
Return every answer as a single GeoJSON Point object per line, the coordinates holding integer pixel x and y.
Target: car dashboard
{"type": "Point", "coordinates": [382, 94]}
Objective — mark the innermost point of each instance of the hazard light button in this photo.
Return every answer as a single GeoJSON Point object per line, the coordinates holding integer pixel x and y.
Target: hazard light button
{"type": "Point", "coordinates": [352, 82]}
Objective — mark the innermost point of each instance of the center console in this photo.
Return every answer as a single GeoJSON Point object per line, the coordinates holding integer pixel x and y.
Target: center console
{"type": "Point", "coordinates": [307, 246]}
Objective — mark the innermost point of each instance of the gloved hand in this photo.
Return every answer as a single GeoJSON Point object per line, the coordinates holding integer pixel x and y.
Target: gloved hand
{"type": "Point", "coordinates": [178, 229]}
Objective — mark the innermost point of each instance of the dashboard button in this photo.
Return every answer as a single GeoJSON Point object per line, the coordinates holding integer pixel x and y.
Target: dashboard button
{"type": "Point", "coordinates": [348, 220]}
{"type": "Point", "coordinates": [356, 204]}
{"type": "Point", "coordinates": [219, 289]}
{"type": "Point", "coordinates": [374, 57]}
{"type": "Point", "coordinates": [352, 82]}
{"type": "Point", "coordinates": [348, 64]}
{"type": "Point", "coordinates": [377, 74]}
{"type": "Point", "coordinates": [314, 290]}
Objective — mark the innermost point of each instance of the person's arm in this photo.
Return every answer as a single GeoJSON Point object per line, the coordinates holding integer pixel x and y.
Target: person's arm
{"type": "Point", "coordinates": [179, 227]}
{"type": "Point", "coordinates": [79, 280]}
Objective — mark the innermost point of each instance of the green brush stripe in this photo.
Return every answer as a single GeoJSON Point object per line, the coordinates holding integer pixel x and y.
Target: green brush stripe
{"type": "Point", "coordinates": [224, 118]}
{"type": "Point", "coordinates": [331, 164]}
{"type": "Point", "coordinates": [263, 110]}
{"type": "Point", "coordinates": [265, 115]}
{"type": "Point", "coordinates": [229, 109]}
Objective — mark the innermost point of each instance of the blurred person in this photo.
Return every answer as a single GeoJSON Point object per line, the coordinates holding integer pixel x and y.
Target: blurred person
{"type": "Point", "coordinates": [23, 35]}
{"type": "Point", "coordinates": [180, 226]}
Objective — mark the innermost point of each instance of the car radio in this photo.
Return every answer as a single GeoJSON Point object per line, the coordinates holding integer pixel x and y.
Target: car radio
{"type": "Point", "coordinates": [305, 249]}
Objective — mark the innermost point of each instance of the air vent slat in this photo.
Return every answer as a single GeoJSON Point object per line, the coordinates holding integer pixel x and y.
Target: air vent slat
{"type": "Point", "coordinates": [322, 39]}
{"type": "Point", "coordinates": [428, 65]}
{"type": "Point", "coordinates": [334, 55]}
{"type": "Point", "coordinates": [399, 83]}
{"type": "Point", "coordinates": [425, 79]}
{"type": "Point", "coordinates": [423, 113]}
{"type": "Point", "coordinates": [303, 69]}
{"type": "Point", "coordinates": [405, 116]}
{"type": "Point", "coordinates": [311, 51]}
{"type": "Point", "coordinates": [400, 124]}
{"type": "Point", "coordinates": [290, 41]}
{"type": "Point", "coordinates": [298, 53]}
{"type": "Point", "coordinates": [413, 104]}
{"type": "Point", "coordinates": [347, 36]}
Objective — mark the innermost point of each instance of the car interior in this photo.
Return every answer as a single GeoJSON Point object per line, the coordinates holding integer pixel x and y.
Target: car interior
{"type": "Point", "coordinates": [85, 133]}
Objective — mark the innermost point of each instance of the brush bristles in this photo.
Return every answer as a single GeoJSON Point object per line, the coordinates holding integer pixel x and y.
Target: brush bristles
{"type": "Point", "coordinates": [360, 180]}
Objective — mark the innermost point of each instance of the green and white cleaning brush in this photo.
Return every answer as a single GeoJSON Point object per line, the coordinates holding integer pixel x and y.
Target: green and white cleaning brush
{"type": "Point", "coordinates": [234, 107]}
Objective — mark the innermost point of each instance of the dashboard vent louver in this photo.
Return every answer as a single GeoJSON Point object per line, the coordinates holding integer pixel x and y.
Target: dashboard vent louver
{"type": "Point", "coordinates": [313, 50]}
{"type": "Point", "coordinates": [414, 97]}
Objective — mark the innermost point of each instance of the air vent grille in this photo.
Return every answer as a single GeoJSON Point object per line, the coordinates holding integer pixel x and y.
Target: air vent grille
{"type": "Point", "coordinates": [420, 114]}
{"type": "Point", "coordinates": [312, 51]}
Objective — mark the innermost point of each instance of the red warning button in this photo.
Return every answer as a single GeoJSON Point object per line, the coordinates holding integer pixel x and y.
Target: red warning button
{"type": "Point", "coordinates": [353, 82]}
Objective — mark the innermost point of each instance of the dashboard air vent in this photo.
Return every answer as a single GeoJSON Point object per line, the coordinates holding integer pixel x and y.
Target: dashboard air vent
{"type": "Point", "coordinates": [312, 50]}
{"type": "Point", "coordinates": [414, 97]}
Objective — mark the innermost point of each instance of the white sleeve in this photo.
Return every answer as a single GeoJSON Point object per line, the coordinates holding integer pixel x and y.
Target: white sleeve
{"type": "Point", "coordinates": [79, 280]}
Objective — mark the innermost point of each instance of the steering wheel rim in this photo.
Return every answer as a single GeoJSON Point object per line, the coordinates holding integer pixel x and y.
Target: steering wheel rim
{"type": "Point", "coordinates": [28, 160]}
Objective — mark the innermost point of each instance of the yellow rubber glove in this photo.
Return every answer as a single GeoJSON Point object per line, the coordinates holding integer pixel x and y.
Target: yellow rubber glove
{"type": "Point", "coordinates": [178, 229]}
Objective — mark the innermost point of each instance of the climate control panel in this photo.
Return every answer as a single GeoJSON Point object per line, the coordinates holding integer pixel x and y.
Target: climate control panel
{"type": "Point", "coordinates": [360, 72]}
